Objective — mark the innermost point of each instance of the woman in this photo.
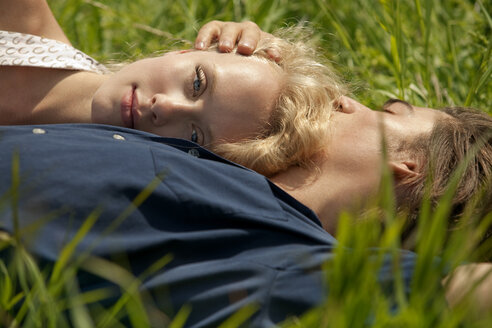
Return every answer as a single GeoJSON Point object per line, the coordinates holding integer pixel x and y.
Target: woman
{"type": "Point", "coordinates": [259, 112]}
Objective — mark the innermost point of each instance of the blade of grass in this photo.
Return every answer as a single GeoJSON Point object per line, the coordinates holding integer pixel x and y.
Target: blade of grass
{"type": "Point", "coordinates": [128, 283]}
{"type": "Point", "coordinates": [179, 320]}
{"type": "Point", "coordinates": [69, 250]}
{"type": "Point", "coordinates": [80, 315]}
{"type": "Point", "coordinates": [240, 317]}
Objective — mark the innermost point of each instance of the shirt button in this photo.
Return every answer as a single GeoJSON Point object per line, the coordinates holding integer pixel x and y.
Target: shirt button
{"type": "Point", "coordinates": [38, 131]}
{"type": "Point", "coordinates": [194, 152]}
{"type": "Point", "coordinates": [118, 137]}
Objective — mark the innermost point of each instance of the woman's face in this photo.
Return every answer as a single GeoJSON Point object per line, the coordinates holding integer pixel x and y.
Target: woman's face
{"type": "Point", "coordinates": [205, 97]}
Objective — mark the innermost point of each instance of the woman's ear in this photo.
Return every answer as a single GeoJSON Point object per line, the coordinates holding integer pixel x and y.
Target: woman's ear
{"type": "Point", "coordinates": [403, 170]}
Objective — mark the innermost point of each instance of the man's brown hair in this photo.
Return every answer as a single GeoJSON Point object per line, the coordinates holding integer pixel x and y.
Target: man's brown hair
{"type": "Point", "coordinates": [464, 137]}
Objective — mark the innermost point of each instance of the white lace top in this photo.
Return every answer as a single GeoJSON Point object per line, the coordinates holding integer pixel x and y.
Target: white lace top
{"type": "Point", "coordinates": [19, 49]}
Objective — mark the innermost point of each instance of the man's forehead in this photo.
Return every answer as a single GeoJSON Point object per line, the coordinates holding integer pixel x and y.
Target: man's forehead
{"type": "Point", "coordinates": [433, 113]}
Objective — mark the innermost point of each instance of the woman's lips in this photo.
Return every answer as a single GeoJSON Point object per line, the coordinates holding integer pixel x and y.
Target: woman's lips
{"type": "Point", "coordinates": [135, 108]}
{"type": "Point", "coordinates": [127, 103]}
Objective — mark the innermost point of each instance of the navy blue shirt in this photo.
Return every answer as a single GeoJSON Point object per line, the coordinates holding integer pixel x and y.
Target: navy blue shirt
{"type": "Point", "coordinates": [234, 237]}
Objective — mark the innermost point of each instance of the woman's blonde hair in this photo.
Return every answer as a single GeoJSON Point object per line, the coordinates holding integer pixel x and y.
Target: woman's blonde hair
{"type": "Point", "coordinates": [298, 124]}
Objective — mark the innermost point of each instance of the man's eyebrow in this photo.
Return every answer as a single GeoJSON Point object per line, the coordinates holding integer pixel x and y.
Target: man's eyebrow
{"type": "Point", "coordinates": [391, 101]}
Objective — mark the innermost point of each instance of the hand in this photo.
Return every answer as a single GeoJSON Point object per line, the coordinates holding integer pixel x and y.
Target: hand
{"type": "Point", "coordinates": [246, 35]}
{"type": "Point", "coordinates": [474, 278]}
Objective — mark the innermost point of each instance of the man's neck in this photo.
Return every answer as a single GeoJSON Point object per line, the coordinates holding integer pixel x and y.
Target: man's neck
{"type": "Point", "coordinates": [306, 185]}
{"type": "Point", "coordinates": [327, 190]}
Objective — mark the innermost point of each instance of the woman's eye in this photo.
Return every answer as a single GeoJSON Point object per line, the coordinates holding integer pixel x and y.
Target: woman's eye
{"type": "Point", "coordinates": [194, 136]}
{"type": "Point", "coordinates": [197, 135]}
{"type": "Point", "coordinates": [199, 82]}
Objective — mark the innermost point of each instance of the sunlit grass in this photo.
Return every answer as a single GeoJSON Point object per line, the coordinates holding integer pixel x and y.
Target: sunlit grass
{"type": "Point", "coordinates": [431, 53]}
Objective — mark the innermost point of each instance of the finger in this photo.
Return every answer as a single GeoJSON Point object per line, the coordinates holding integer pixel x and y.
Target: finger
{"type": "Point", "coordinates": [274, 54]}
{"type": "Point", "coordinates": [229, 34]}
{"type": "Point", "coordinates": [207, 34]}
{"type": "Point", "coordinates": [248, 41]}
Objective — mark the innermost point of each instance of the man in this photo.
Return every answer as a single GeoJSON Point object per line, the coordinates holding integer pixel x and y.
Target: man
{"type": "Point", "coordinates": [422, 143]}
{"type": "Point", "coordinates": [235, 238]}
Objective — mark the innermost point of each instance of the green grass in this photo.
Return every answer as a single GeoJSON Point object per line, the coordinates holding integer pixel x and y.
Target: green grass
{"type": "Point", "coordinates": [430, 53]}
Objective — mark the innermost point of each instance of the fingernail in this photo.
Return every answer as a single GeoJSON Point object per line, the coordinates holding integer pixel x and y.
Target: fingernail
{"type": "Point", "coordinates": [227, 44]}
{"type": "Point", "coordinates": [274, 54]}
{"type": "Point", "coordinates": [246, 45]}
{"type": "Point", "coordinates": [200, 45]}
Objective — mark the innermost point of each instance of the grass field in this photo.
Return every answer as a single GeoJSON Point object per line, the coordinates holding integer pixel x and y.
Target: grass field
{"type": "Point", "coordinates": [430, 53]}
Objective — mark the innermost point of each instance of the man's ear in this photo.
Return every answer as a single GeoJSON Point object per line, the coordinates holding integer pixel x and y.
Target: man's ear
{"type": "Point", "coordinates": [403, 170]}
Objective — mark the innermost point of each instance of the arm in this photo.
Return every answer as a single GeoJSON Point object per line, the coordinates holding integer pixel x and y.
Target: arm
{"type": "Point", "coordinates": [32, 17]}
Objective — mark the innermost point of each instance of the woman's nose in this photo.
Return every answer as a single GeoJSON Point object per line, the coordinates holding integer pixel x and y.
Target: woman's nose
{"type": "Point", "coordinates": [165, 108]}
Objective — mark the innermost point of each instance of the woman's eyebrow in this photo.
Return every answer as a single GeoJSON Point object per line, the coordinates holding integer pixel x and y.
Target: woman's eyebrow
{"type": "Point", "coordinates": [211, 73]}
{"type": "Point", "coordinates": [213, 79]}
{"type": "Point", "coordinates": [391, 101]}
